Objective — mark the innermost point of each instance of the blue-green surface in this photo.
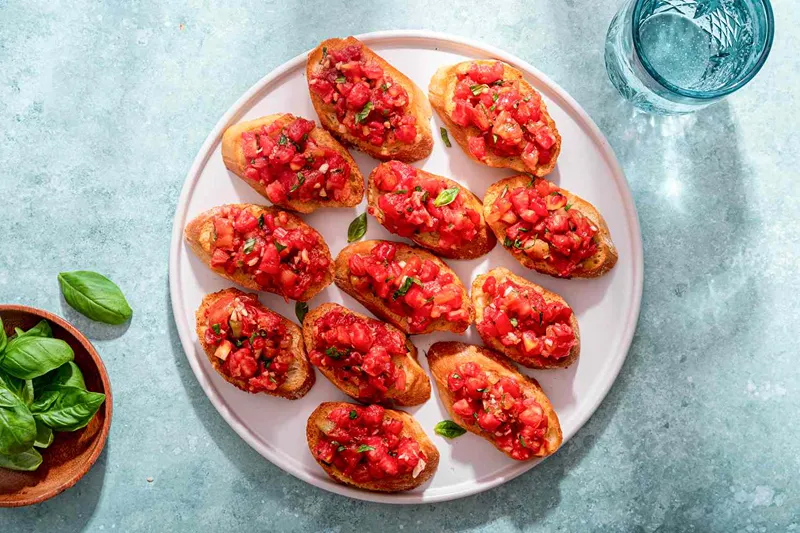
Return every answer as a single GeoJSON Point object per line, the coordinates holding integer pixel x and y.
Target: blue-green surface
{"type": "Point", "coordinates": [103, 106]}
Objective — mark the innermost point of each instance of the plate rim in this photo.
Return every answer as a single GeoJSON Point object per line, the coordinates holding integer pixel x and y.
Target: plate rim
{"type": "Point", "coordinates": [204, 154]}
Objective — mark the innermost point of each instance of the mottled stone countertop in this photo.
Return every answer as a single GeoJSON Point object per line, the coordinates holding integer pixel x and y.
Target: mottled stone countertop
{"type": "Point", "coordinates": [103, 106]}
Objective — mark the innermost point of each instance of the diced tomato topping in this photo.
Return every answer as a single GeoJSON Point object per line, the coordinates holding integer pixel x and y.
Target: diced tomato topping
{"type": "Point", "coordinates": [510, 120]}
{"type": "Point", "coordinates": [250, 341]}
{"type": "Point", "coordinates": [520, 317]}
{"type": "Point", "coordinates": [365, 445]}
{"type": "Point", "coordinates": [508, 414]}
{"type": "Point", "coordinates": [289, 163]}
{"type": "Point", "coordinates": [282, 260]}
{"type": "Point", "coordinates": [359, 351]}
{"type": "Point", "coordinates": [367, 102]}
{"type": "Point", "coordinates": [540, 223]}
{"type": "Point", "coordinates": [413, 288]}
{"type": "Point", "coordinates": [408, 202]}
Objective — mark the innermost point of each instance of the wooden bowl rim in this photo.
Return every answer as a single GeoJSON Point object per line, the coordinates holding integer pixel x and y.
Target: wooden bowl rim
{"type": "Point", "coordinates": [103, 435]}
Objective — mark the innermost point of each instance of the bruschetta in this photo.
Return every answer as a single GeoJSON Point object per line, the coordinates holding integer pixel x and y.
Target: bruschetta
{"type": "Point", "coordinates": [367, 103]}
{"type": "Point", "coordinates": [435, 212]}
{"type": "Point", "coordinates": [549, 229]}
{"type": "Point", "coordinates": [371, 448]}
{"type": "Point", "coordinates": [253, 347]}
{"type": "Point", "coordinates": [410, 288]}
{"type": "Point", "coordinates": [496, 116]}
{"type": "Point", "coordinates": [526, 322]}
{"type": "Point", "coordinates": [487, 396]}
{"type": "Point", "coordinates": [369, 360]}
{"type": "Point", "coordinates": [292, 163]}
{"type": "Point", "coordinates": [262, 248]}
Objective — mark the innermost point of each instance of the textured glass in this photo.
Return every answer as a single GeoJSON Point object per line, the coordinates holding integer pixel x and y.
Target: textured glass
{"type": "Point", "coordinates": [675, 56]}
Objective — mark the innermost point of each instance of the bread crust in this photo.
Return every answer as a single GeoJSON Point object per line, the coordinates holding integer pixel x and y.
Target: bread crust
{"type": "Point", "coordinates": [595, 266]}
{"type": "Point", "coordinates": [376, 304]}
{"type": "Point", "coordinates": [440, 92]}
{"type": "Point", "coordinates": [481, 300]}
{"type": "Point", "coordinates": [411, 428]}
{"type": "Point", "coordinates": [417, 105]}
{"type": "Point", "coordinates": [418, 386]}
{"type": "Point", "coordinates": [481, 245]}
{"type": "Point", "coordinates": [235, 161]}
{"type": "Point", "coordinates": [444, 357]}
{"type": "Point", "coordinates": [300, 377]}
{"type": "Point", "coordinates": [199, 234]}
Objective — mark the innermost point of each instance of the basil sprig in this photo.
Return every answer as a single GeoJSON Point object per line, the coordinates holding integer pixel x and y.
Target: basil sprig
{"type": "Point", "coordinates": [357, 228]}
{"type": "Point", "coordinates": [67, 408]}
{"type": "Point", "coordinates": [301, 310]}
{"type": "Point", "coordinates": [94, 296]}
{"type": "Point", "coordinates": [362, 115]}
{"type": "Point", "coordinates": [446, 197]}
{"type": "Point", "coordinates": [449, 429]}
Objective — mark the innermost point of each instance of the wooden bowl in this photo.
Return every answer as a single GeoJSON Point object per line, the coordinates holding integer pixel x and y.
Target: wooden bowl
{"type": "Point", "coordinates": [72, 454]}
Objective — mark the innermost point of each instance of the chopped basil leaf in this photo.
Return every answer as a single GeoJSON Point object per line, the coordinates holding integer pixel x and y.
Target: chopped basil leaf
{"type": "Point", "coordinates": [541, 317]}
{"type": "Point", "coordinates": [340, 448]}
{"type": "Point", "coordinates": [481, 390]}
{"type": "Point", "coordinates": [507, 242]}
{"type": "Point", "coordinates": [253, 337]}
{"type": "Point", "coordinates": [522, 441]}
{"type": "Point", "coordinates": [362, 115]}
{"type": "Point", "coordinates": [505, 190]}
{"type": "Point", "coordinates": [249, 245]}
{"type": "Point", "coordinates": [405, 287]}
{"type": "Point", "coordinates": [417, 188]}
{"type": "Point", "coordinates": [494, 138]}
{"type": "Point", "coordinates": [527, 98]}
{"type": "Point", "coordinates": [365, 448]}
{"type": "Point", "coordinates": [456, 376]}
{"type": "Point", "coordinates": [495, 96]}
{"type": "Point", "coordinates": [261, 221]}
{"type": "Point", "coordinates": [532, 177]}
{"type": "Point", "coordinates": [478, 89]}
{"type": "Point", "coordinates": [449, 429]}
{"type": "Point", "coordinates": [341, 79]}
{"type": "Point", "coordinates": [357, 228]}
{"type": "Point", "coordinates": [567, 207]}
{"type": "Point", "coordinates": [491, 108]}
{"type": "Point", "coordinates": [280, 247]}
{"type": "Point", "coordinates": [324, 53]}
{"type": "Point", "coordinates": [334, 353]}
{"type": "Point", "coordinates": [272, 379]}
{"type": "Point", "coordinates": [514, 322]}
{"type": "Point", "coordinates": [401, 191]}
{"type": "Point", "coordinates": [518, 244]}
{"type": "Point", "coordinates": [384, 87]}
{"type": "Point", "coordinates": [238, 342]}
{"type": "Point", "coordinates": [426, 196]}
{"type": "Point", "coordinates": [499, 83]}
{"type": "Point", "coordinates": [353, 414]}
{"type": "Point", "coordinates": [283, 139]}
{"type": "Point", "coordinates": [216, 329]}
{"type": "Point", "coordinates": [446, 197]}
{"type": "Point", "coordinates": [300, 309]}
{"type": "Point", "coordinates": [301, 179]}
{"type": "Point", "coordinates": [445, 137]}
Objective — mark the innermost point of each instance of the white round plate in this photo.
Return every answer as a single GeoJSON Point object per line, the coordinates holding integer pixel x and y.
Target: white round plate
{"type": "Point", "coordinates": [607, 308]}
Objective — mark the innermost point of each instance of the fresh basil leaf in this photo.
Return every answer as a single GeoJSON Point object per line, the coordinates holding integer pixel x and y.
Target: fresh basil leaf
{"type": "Point", "coordinates": [353, 414]}
{"type": "Point", "coordinates": [364, 448]}
{"type": "Point", "coordinates": [362, 115]}
{"type": "Point", "coordinates": [495, 97]}
{"type": "Point", "coordinates": [216, 329]}
{"type": "Point", "coordinates": [67, 408]}
{"type": "Point", "coordinates": [301, 179]}
{"type": "Point", "coordinates": [514, 322]}
{"type": "Point", "coordinates": [283, 139]}
{"type": "Point", "coordinates": [357, 228]}
{"type": "Point", "coordinates": [449, 429]}
{"type": "Point", "coordinates": [249, 245]}
{"type": "Point", "coordinates": [507, 242]}
{"type": "Point", "coordinates": [522, 441]}
{"type": "Point", "coordinates": [44, 435]}
{"type": "Point", "coordinates": [42, 329]}
{"type": "Point", "coordinates": [280, 247]}
{"type": "Point", "coordinates": [261, 221]}
{"type": "Point", "coordinates": [446, 197]}
{"type": "Point", "coordinates": [22, 388]}
{"type": "Point", "coordinates": [324, 53]}
{"type": "Point", "coordinates": [26, 461]}
{"type": "Point", "coordinates": [478, 89]}
{"type": "Point", "coordinates": [67, 375]}
{"type": "Point", "coordinates": [3, 337]}
{"type": "Point", "coordinates": [17, 426]}
{"type": "Point", "coordinates": [335, 353]}
{"type": "Point", "coordinates": [341, 79]}
{"type": "Point", "coordinates": [94, 296]}
{"type": "Point", "coordinates": [445, 137]}
{"type": "Point", "coordinates": [567, 207]}
{"type": "Point", "coordinates": [405, 287]}
{"type": "Point", "coordinates": [31, 357]}
{"type": "Point", "coordinates": [301, 309]}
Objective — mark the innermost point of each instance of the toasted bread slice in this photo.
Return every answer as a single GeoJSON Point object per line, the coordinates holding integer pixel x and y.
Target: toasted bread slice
{"type": "Point", "coordinates": [319, 424]}
{"type": "Point", "coordinates": [417, 105]}
{"type": "Point", "coordinates": [445, 357]}
{"type": "Point", "coordinates": [418, 386]}
{"type": "Point", "coordinates": [441, 90]}
{"type": "Point", "coordinates": [300, 376]}
{"type": "Point", "coordinates": [598, 264]}
{"type": "Point", "coordinates": [199, 234]}
{"type": "Point", "coordinates": [367, 298]}
{"type": "Point", "coordinates": [481, 245]}
{"type": "Point", "coordinates": [481, 300]}
{"type": "Point", "coordinates": [236, 162]}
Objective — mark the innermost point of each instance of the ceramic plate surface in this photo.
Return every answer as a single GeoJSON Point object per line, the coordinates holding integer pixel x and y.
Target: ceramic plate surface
{"type": "Point", "coordinates": [607, 308]}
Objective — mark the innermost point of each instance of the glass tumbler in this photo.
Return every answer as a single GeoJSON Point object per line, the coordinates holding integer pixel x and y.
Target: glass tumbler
{"type": "Point", "coordinates": [677, 56]}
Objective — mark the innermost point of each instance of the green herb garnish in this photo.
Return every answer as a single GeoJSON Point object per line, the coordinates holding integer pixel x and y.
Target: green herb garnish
{"type": "Point", "coordinates": [445, 137]}
{"type": "Point", "coordinates": [449, 429]}
{"type": "Point", "coordinates": [403, 290]}
{"type": "Point", "coordinates": [446, 197]}
{"type": "Point", "coordinates": [362, 115]}
{"type": "Point", "coordinates": [478, 89]}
